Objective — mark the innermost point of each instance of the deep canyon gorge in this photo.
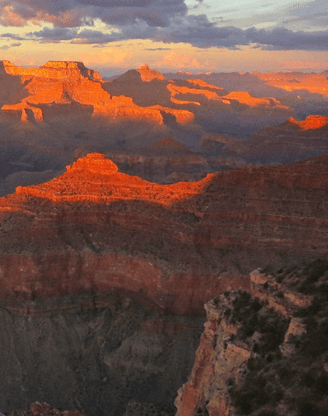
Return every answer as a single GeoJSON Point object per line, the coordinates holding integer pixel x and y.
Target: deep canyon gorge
{"type": "Point", "coordinates": [104, 276]}
{"type": "Point", "coordinates": [163, 243]}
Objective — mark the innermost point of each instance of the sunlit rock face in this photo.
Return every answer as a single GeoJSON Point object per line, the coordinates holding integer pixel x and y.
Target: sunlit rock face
{"type": "Point", "coordinates": [311, 122]}
{"type": "Point", "coordinates": [94, 228]}
{"type": "Point", "coordinates": [64, 82]}
{"type": "Point", "coordinates": [148, 75]}
{"type": "Point", "coordinates": [290, 140]}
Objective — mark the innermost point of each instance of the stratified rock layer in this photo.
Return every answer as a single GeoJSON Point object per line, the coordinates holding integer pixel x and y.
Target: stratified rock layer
{"type": "Point", "coordinates": [94, 228]}
{"type": "Point", "coordinates": [65, 82]}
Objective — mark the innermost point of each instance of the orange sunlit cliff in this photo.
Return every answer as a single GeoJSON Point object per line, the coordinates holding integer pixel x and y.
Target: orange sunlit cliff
{"type": "Point", "coordinates": [94, 228]}
{"type": "Point", "coordinates": [69, 82]}
{"type": "Point", "coordinates": [311, 122]}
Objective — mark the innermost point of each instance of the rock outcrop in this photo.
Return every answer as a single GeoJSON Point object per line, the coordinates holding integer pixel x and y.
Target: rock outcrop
{"type": "Point", "coordinates": [311, 122]}
{"type": "Point", "coordinates": [101, 230]}
{"type": "Point", "coordinates": [217, 361]}
{"type": "Point", "coordinates": [290, 140]}
{"type": "Point", "coordinates": [53, 70]}
{"type": "Point", "coordinates": [255, 360]}
{"type": "Point", "coordinates": [65, 83]}
{"type": "Point", "coordinates": [148, 75]}
{"type": "Point", "coordinates": [44, 409]}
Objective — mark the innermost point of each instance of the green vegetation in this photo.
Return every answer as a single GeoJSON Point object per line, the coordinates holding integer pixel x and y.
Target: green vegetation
{"type": "Point", "coordinates": [298, 380]}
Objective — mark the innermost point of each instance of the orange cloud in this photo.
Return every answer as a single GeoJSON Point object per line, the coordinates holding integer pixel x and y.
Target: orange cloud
{"type": "Point", "coordinates": [176, 60]}
{"type": "Point", "coordinates": [105, 57]}
{"type": "Point", "coordinates": [10, 18]}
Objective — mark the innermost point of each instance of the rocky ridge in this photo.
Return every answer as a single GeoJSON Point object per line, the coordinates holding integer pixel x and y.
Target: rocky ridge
{"type": "Point", "coordinates": [102, 230]}
{"type": "Point", "coordinates": [298, 139]}
{"type": "Point", "coordinates": [64, 82]}
{"type": "Point", "coordinates": [257, 358]}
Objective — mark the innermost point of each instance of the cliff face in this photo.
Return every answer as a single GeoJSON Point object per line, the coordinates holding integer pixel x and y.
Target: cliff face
{"type": "Point", "coordinates": [216, 361]}
{"type": "Point", "coordinates": [256, 357]}
{"type": "Point", "coordinates": [71, 82]}
{"type": "Point", "coordinates": [91, 355]}
{"type": "Point", "coordinates": [102, 230]}
{"type": "Point", "coordinates": [293, 138]}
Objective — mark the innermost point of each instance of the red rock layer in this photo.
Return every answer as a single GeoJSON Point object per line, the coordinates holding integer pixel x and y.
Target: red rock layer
{"type": "Point", "coordinates": [291, 137]}
{"type": "Point", "coordinates": [97, 229]}
{"type": "Point", "coordinates": [69, 82]}
{"type": "Point", "coordinates": [241, 97]}
{"type": "Point", "coordinates": [43, 409]}
{"type": "Point", "coordinates": [311, 122]}
{"type": "Point", "coordinates": [148, 75]}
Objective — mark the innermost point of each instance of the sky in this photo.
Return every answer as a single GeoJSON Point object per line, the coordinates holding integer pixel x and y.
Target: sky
{"type": "Point", "coordinates": [112, 36]}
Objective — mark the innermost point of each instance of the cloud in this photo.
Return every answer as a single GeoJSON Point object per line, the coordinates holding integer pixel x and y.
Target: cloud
{"type": "Point", "coordinates": [315, 13]}
{"type": "Point", "coordinates": [12, 36]}
{"type": "Point", "coordinates": [74, 13]}
{"type": "Point", "coordinates": [53, 35]}
{"type": "Point", "coordinates": [195, 30]}
{"type": "Point", "coordinates": [12, 45]}
{"type": "Point", "coordinates": [284, 39]}
{"type": "Point", "coordinates": [164, 21]}
{"type": "Point", "coordinates": [175, 60]}
{"type": "Point", "coordinates": [157, 49]}
{"type": "Point", "coordinates": [200, 32]}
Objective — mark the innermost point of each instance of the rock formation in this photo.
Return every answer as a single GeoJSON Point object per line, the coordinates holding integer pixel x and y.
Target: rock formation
{"type": "Point", "coordinates": [257, 358]}
{"type": "Point", "coordinates": [290, 140]}
{"type": "Point", "coordinates": [44, 409]}
{"type": "Point", "coordinates": [311, 122]}
{"type": "Point", "coordinates": [101, 230]}
{"type": "Point", "coordinates": [148, 75]}
{"type": "Point", "coordinates": [70, 82]}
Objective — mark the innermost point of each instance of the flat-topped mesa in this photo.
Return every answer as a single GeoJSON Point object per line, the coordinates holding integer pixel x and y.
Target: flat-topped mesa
{"type": "Point", "coordinates": [65, 64]}
{"type": "Point", "coordinates": [148, 75]}
{"type": "Point", "coordinates": [311, 122]}
{"type": "Point", "coordinates": [54, 70]}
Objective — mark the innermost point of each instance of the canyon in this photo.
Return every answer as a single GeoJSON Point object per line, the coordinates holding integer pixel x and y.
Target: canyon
{"type": "Point", "coordinates": [62, 109]}
{"type": "Point", "coordinates": [106, 275]}
{"type": "Point", "coordinates": [127, 205]}
{"type": "Point", "coordinates": [102, 230]}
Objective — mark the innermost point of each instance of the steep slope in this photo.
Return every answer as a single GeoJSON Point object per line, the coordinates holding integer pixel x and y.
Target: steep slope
{"type": "Point", "coordinates": [290, 141]}
{"type": "Point", "coordinates": [65, 83]}
{"type": "Point", "coordinates": [264, 352]}
{"type": "Point", "coordinates": [105, 231]}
